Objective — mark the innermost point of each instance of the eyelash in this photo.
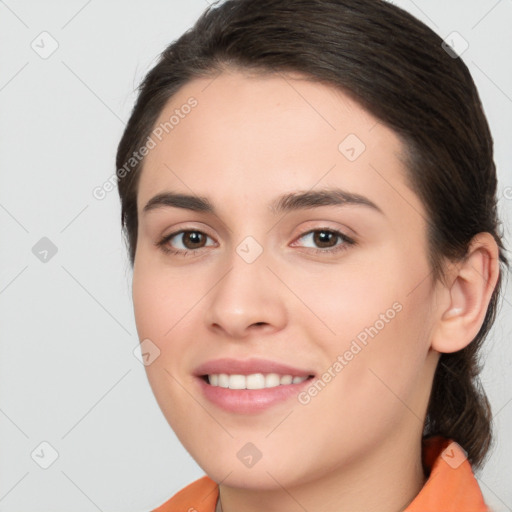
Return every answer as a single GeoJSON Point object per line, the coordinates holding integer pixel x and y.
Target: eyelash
{"type": "Point", "coordinates": [162, 243]}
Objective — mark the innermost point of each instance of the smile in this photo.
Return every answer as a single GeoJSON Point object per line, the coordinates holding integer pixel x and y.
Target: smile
{"type": "Point", "coordinates": [252, 381]}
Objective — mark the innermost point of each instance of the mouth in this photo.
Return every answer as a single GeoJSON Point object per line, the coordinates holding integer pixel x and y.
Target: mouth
{"type": "Point", "coordinates": [250, 386]}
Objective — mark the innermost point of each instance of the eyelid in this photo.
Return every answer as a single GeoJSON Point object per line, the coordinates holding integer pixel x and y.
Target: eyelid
{"type": "Point", "coordinates": [336, 231]}
{"type": "Point", "coordinates": [179, 229]}
{"type": "Point", "coordinates": [184, 228]}
{"type": "Point", "coordinates": [319, 224]}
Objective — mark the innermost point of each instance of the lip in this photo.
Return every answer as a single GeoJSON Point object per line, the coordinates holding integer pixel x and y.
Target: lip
{"type": "Point", "coordinates": [248, 366]}
{"type": "Point", "coordinates": [249, 401]}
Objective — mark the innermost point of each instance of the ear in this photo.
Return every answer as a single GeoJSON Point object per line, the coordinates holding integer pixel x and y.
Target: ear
{"type": "Point", "coordinates": [466, 297]}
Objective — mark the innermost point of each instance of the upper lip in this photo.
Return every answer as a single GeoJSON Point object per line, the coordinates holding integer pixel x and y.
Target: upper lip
{"type": "Point", "coordinates": [247, 367]}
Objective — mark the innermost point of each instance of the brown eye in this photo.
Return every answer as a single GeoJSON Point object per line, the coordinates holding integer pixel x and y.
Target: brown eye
{"type": "Point", "coordinates": [326, 240]}
{"type": "Point", "coordinates": [193, 239]}
{"type": "Point", "coordinates": [190, 240]}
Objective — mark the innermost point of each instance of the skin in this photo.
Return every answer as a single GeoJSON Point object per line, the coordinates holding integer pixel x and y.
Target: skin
{"type": "Point", "coordinates": [357, 444]}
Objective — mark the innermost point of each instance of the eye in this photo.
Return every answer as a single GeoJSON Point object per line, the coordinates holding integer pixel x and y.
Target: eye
{"type": "Point", "coordinates": [191, 240]}
{"type": "Point", "coordinates": [326, 238]}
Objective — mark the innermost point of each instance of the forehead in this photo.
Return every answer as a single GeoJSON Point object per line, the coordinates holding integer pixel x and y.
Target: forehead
{"type": "Point", "coordinates": [250, 136]}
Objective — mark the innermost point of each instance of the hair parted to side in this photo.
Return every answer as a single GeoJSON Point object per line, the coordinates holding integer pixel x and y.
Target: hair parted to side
{"type": "Point", "coordinates": [395, 67]}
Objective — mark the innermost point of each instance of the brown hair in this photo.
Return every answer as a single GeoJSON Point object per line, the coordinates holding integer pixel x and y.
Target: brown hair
{"type": "Point", "coordinates": [397, 69]}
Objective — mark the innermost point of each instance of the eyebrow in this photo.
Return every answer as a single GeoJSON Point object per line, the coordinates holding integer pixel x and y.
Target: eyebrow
{"type": "Point", "coordinates": [285, 203]}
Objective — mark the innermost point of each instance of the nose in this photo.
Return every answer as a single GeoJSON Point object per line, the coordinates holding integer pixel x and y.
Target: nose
{"type": "Point", "coordinates": [247, 299]}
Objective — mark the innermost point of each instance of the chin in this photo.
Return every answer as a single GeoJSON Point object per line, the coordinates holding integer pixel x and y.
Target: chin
{"type": "Point", "coordinates": [269, 474]}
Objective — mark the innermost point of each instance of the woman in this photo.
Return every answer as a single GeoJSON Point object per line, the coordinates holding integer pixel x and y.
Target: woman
{"type": "Point", "coordinates": [309, 199]}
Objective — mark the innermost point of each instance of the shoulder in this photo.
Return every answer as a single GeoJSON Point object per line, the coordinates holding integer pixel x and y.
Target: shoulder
{"type": "Point", "coordinates": [200, 495]}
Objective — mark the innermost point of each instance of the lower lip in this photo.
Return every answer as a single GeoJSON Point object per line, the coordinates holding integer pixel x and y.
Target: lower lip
{"type": "Point", "coordinates": [248, 401]}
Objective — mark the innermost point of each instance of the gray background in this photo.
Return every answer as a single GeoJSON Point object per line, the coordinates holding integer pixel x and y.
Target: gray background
{"type": "Point", "coordinates": [68, 374]}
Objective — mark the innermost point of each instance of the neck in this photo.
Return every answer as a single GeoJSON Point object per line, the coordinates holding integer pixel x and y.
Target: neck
{"type": "Point", "coordinates": [386, 479]}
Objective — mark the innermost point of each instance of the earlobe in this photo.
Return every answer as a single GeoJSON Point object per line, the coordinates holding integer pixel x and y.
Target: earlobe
{"type": "Point", "coordinates": [472, 283]}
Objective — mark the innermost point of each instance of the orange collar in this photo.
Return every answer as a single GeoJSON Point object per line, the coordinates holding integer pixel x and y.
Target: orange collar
{"type": "Point", "coordinates": [451, 485]}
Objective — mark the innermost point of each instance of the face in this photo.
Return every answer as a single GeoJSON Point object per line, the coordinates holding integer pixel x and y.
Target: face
{"type": "Point", "coordinates": [330, 284]}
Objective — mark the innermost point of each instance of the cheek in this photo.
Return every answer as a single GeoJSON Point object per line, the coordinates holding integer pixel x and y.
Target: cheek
{"type": "Point", "coordinates": [384, 377]}
{"type": "Point", "coordinates": [165, 311]}
{"type": "Point", "coordinates": [340, 304]}
{"type": "Point", "coordinates": [373, 325]}
{"type": "Point", "coordinates": [159, 300]}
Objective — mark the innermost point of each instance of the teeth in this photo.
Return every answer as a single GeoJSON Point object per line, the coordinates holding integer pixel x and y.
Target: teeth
{"type": "Point", "coordinates": [272, 380]}
{"type": "Point", "coordinates": [287, 379]}
{"type": "Point", "coordinates": [223, 380]}
{"type": "Point", "coordinates": [252, 381]}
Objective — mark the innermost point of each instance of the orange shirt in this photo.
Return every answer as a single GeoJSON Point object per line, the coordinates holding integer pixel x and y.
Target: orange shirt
{"type": "Point", "coordinates": [450, 487]}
